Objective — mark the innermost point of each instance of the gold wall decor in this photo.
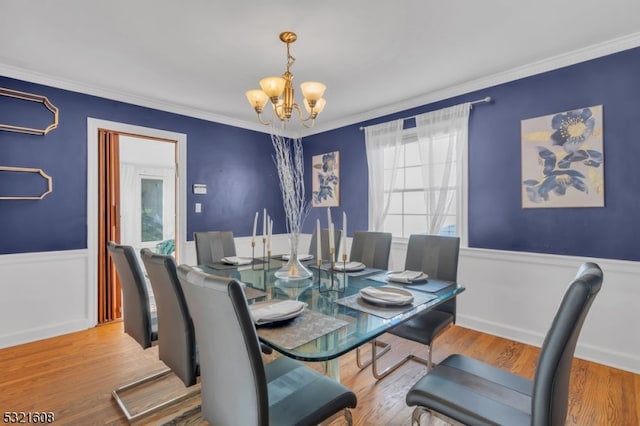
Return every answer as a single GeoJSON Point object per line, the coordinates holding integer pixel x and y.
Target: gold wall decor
{"type": "Point", "coordinates": [28, 170]}
{"type": "Point", "coordinates": [32, 98]}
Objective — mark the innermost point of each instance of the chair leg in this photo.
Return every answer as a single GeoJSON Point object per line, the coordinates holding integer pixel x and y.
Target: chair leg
{"type": "Point", "coordinates": [411, 357]}
{"type": "Point", "coordinates": [347, 417]}
{"type": "Point", "coordinates": [156, 376]}
{"type": "Point", "coordinates": [386, 347]}
{"type": "Point", "coordinates": [417, 415]}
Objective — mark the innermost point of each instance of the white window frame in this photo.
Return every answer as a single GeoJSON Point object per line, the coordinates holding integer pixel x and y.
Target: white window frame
{"type": "Point", "coordinates": [411, 136]}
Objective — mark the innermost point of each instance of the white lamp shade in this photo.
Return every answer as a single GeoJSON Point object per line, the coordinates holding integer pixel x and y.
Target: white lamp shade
{"type": "Point", "coordinates": [312, 90]}
{"type": "Point", "coordinates": [316, 109]}
{"type": "Point", "coordinates": [272, 86]}
{"type": "Point", "coordinates": [257, 98]}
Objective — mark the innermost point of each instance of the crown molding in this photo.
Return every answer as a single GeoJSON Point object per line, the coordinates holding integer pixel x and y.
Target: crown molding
{"type": "Point", "coordinates": [555, 62]}
{"type": "Point", "coordinates": [548, 64]}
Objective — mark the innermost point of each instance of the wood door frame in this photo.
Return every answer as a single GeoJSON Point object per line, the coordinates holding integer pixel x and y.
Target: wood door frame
{"type": "Point", "coordinates": [93, 125]}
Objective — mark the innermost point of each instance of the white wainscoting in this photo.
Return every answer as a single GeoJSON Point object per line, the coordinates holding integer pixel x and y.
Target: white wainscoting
{"type": "Point", "coordinates": [44, 295]}
{"type": "Point", "coordinates": [509, 294]}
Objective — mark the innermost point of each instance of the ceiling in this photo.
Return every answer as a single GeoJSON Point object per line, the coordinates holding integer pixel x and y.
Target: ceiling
{"type": "Point", "coordinates": [199, 57]}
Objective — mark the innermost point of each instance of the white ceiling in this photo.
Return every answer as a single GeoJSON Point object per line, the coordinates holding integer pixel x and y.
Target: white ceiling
{"type": "Point", "coordinates": [198, 57]}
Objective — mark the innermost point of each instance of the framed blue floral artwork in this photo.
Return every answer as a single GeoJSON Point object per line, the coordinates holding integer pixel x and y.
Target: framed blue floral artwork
{"type": "Point", "coordinates": [562, 159]}
{"type": "Point", "coordinates": [325, 175]}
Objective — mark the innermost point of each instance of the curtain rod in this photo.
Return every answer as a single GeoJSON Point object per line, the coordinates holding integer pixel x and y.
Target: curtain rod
{"type": "Point", "coordinates": [479, 101]}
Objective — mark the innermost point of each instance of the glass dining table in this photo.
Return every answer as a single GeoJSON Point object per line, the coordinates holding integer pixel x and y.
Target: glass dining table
{"type": "Point", "coordinates": [337, 318]}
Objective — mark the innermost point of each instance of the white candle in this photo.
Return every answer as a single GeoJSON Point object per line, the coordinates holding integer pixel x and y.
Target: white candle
{"type": "Point", "coordinates": [255, 225]}
{"type": "Point", "coordinates": [269, 232]}
{"type": "Point", "coordinates": [344, 233]}
{"type": "Point", "coordinates": [318, 240]}
{"type": "Point", "coordinates": [264, 223]}
{"type": "Point", "coordinates": [328, 217]}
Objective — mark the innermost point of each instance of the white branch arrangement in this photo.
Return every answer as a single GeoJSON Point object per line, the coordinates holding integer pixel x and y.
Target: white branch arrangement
{"type": "Point", "coordinates": [290, 163]}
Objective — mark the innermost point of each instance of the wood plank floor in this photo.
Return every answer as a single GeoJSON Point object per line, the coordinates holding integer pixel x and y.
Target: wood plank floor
{"type": "Point", "coordinates": [73, 375]}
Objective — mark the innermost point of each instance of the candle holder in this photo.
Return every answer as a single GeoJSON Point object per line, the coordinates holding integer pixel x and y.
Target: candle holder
{"type": "Point", "coordinates": [253, 255]}
{"type": "Point", "coordinates": [268, 259]}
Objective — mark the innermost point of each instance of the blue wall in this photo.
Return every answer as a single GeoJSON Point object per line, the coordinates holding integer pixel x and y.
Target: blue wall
{"type": "Point", "coordinates": [237, 166]}
{"type": "Point", "coordinates": [496, 218]}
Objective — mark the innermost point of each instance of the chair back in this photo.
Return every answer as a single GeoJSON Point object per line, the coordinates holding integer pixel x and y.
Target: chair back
{"type": "Point", "coordinates": [212, 246]}
{"type": "Point", "coordinates": [551, 382]}
{"type": "Point", "coordinates": [324, 243]}
{"type": "Point", "coordinates": [136, 311]}
{"type": "Point", "coordinates": [371, 248]}
{"type": "Point", "coordinates": [176, 335]}
{"type": "Point", "coordinates": [436, 256]}
{"type": "Point", "coordinates": [232, 374]}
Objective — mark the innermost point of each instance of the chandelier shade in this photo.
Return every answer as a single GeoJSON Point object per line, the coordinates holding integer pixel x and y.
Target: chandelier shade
{"type": "Point", "coordinates": [279, 90]}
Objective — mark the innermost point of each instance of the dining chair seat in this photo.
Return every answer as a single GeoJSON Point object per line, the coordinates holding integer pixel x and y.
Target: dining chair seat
{"type": "Point", "coordinates": [139, 321]}
{"type": "Point", "coordinates": [436, 256]}
{"type": "Point", "coordinates": [464, 390]}
{"type": "Point", "coordinates": [238, 386]}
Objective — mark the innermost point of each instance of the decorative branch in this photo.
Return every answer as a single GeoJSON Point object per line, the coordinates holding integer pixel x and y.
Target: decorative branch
{"type": "Point", "coordinates": [290, 163]}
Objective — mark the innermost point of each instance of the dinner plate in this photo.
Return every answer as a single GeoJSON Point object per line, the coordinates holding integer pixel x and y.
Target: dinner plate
{"type": "Point", "coordinates": [236, 260]}
{"type": "Point", "coordinates": [406, 277]}
{"type": "Point", "coordinates": [391, 291]}
{"type": "Point", "coordinates": [300, 257]}
{"type": "Point", "coordinates": [349, 266]}
{"type": "Point", "coordinates": [270, 312]}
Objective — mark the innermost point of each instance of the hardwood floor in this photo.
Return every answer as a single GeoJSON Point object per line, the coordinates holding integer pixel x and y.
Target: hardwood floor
{"type": "Point", "coordinates": [73, 375]}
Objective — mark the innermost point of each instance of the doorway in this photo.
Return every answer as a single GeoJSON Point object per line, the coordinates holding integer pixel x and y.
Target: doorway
{"type": "Point", "coordinates": [140, 201]}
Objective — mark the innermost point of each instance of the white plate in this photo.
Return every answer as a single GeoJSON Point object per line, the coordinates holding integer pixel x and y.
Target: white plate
{"type": "Point", "coordinates": [236, 260]}
{"type": "Point", "coordinates": [270, 312]}
{"type": "Point", "coordinates": [350, 266]}
{"type": "Point", "coordinates": [408, 297]}
{"type": "Point", "coordinates": [300, 257]}
{"type": "Point", "coordinates": [406, 277]}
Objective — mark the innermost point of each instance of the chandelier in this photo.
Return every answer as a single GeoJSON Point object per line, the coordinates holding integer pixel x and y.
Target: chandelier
{"type": "Point", "coordinates": [280, 91]}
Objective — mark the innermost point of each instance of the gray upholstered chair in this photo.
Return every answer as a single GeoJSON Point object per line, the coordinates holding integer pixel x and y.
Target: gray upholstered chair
{"type": "Point", "coordinates": [371, 248]}
{"type": "Point", "coordinates": [177, 337]}
{"type": "Point", "coordinates": [472, 392]}
{"type": "Point", "coordinates": [436, 256]}
{"type": "Point", "coordinates": [324, 243]}
{"type": "Point", "coordinates": [139, 322]}
{"type": "Point", "coordinates": [238, 388]}
{"type": "Point", "coordinates": [212, 246]}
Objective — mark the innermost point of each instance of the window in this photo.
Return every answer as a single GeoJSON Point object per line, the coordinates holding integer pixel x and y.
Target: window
{"type": "Point", "coordinates": [417, 177]}
{"type": "Point", "coordinates": [151, 198]}
{"type": "Point", "coordinates": [408, 213]}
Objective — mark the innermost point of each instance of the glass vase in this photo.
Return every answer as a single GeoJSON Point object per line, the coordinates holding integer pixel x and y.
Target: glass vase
{"type": "Point", "coordinates": [293, 269]}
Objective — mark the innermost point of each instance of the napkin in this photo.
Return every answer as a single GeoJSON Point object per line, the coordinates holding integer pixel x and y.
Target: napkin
{"type": "Point", "coordinates": [385, 295]}
{"type": "Point", "coordinates": [300, 257]}
{"type": "Point", "coordinates": [270, 312]}
{"type": "Point", "coordinates": [406, 277]}
{"type": "Point", "coordinates": [235, 260]}
{"type": "Point", "coordinates": [349, 266]}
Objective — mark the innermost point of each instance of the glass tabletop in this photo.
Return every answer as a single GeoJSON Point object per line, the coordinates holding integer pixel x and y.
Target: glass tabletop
{"type": "Point", "coordinates": [337, 319]}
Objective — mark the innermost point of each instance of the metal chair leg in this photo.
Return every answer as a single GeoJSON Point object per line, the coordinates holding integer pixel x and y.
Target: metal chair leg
{"type": "Point", "coordinates": [386, 347]}
{"type": "Point", "coordinates": [156, 376]}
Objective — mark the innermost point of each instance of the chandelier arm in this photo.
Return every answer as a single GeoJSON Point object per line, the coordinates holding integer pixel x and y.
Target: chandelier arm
{"type": "Point", "coordinates": [266, 123]}
{"type": "Point", "coordinates": [303, 120]}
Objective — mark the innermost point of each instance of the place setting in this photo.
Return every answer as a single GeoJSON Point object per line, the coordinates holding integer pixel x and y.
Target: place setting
{"type": "Point", "coordinates": [289, 324]}
{"type": "Point", "coordinates": [416, 280]}
{"type": "Point", "coordinates": [384, 301]}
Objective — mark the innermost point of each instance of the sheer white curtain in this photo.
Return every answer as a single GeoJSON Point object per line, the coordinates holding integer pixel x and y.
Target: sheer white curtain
{"type": "Point", "coordinates": [381, 140]}
{"type": "Point", "coordinates": [442, 141]}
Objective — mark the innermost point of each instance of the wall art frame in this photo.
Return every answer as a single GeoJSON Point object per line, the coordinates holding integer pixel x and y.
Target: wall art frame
{"type": "Point", "coordinates": [325, 179]}
{"type": "Point", "coordinates": [563, 160]}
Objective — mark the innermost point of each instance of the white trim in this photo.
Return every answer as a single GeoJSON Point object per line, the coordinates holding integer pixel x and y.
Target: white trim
{"type": "Point", "coordinates": [93, 125]}
{"type": "Point", "coordinates": [591, 52]}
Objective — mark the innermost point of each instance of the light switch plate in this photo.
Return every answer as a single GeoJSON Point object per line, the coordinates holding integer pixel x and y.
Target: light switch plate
{"type": "Point", "coordinates": [198, 208]}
